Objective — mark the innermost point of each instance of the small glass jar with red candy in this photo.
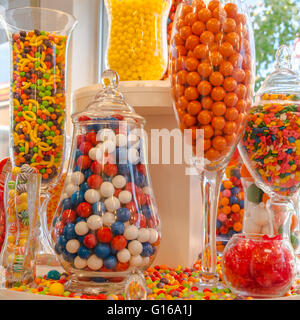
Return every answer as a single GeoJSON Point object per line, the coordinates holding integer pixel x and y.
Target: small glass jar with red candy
{"type": "Point", "coordinates": [258, 265]}
{"type": "Point", "coordinates": [106, 226]}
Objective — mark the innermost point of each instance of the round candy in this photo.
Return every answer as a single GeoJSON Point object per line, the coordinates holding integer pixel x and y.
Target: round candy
{"type": "Point", "coordinates": [81, 228]}
{"type": "Point", "coordinates": [94, 222]}
{"type": "Point", "coordinates": [104, 234]}
{"type": "Point", "coordinates": [112, 204]}
{"type": "Point", "coordinates": [71, 188]}
{"type": "Point", "coordinates": [153, 235]}
{"type": "Point", "coordinates": [72, 246]}
{"type": "Point", "coordinates": [117, 228]}
{"type": "Point", "coordinates": [143, 235]}
{"type": "Point", "coordinates": [110, 169]}
{"type": "Point", "coordinates": [108, 219]}
{"type": "Point", "coordinates": [98, 208]}
{"type": "Point", "coordinates": [77, 178]}
{"type": "Point", "coordinates": [93, 154]}
{"type": "Point", "coordinates": [69, 231]}
{"type": "Point", "coordinates": [77, 197]}
{"type": "Point", "coordinates": [96, 167]}
{"type": "Point", "coordinates": [110, 262]}
{"type": "Point", "coordinates": [135, 247]}
{"type": "Point", "coordinates": [123, 214]}
{"type": "Point", "coordinates": [94, 263]}
{"type": "Point", "coordinates": [125, 196]}
{"type": "Point", "coordinates": [57, 289]}
{"type": "Point", "coordinates": [94, 181]}
{"type": "Point", "coordinates": [90, 241]}
{"type": "Point", "coordinates": [133, 140]}
{"type": "Point", "coordinates": [136, 261]}
{"type": "Point", "coordinates": [133, 155]}
{"type": "Point", "coordinates": [83, 162]}
{"type": "Point", "coordinates": [107, 189]}
{"type": "Point", "coordinates": [106, 134]}
{"type": "Point", "coordinates": [119, 182]}
{"type": "Point", "coordinates": [109, 146]}
{"type": "Point", "coordinates": [92, 196]}
{"type": "Point", "coordinates": [68, 216]}
{"type": "Point", "coordinates": [53, 275]}
{"type": "Point", "coordinates": [84, 252]}
{"type": "Point", "coordinates": [102, 250]}
{"type": "Point", "coordinates": [121, 140]}
{"type": "Point", "coordinates": [131, 232]}
{"type": "Point", "coordinates": [80, 263]}
{"type": "Point", "coordinates": [84, 209]}
{"type": "Point", "coordinates": [123, 255]}
{"type": "Point", "coordinates": [118, 242]}
{"type": "Point", "coordinates": [147, 250]}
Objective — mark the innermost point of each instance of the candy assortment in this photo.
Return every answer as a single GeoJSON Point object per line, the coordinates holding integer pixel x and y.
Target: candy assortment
{"type": "Point", "coordinates": [137, 44]}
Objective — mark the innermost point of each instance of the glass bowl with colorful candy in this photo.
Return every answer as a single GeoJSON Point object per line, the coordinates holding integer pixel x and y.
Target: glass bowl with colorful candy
{"type": "Point", "coordinates": [106, 224]}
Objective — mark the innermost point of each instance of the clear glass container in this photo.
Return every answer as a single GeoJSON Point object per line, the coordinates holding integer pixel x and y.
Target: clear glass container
{"type": "Point", "coordinates": [137, 45]}
{"type": "Point", "coordinates": [258, 266]}
{"type": "Point", "coordinates": [107, 223]}
{"type": "Point", "coordinates": [212, 68]}
{"type": "Point", "coordinates": [39, 39]}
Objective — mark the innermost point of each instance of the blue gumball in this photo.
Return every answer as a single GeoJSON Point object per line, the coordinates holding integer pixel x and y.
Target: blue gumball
{"type": "Point", "coordinates": [110, 262]}
{"type": "Point", "coordinates": [117, 228]}
{"type": "Point", "coordinates": [69, 231]}
{"type": "Point", "coordinates": [114, 251]}
{"type": "Point", "coordinates": [233, 200]}
{"type": "Point", "coordinates": [242, 204]}
{"type": "Point", "coordinates": [84, 252]}
{"type": "Point", "coordinates": [219, 224]}
{"type": "Point", "coordinates": [53, 275]}
{"type": "Point", "coordinates": [77, 154]}
{"type": "Point", "coordinates": [58, 249]}
{"type": "Point", "coordinates": [77, 197]}
{"type": "Point", "coordinates": [99, 280]}
{"type": "Point", "coordinates": [102, 250]}
{"type": "Point", "coordinates": [80, 239]}
{"type": "Point", "coordinates": [84, 187]}
{"type": "Point", "coordinates": [123, 214]}
{"type": "Point", "coordinates": [123, 169]}
{"type": "Point", "coordinates": [147, 250]}
{"type": "Point", "coordinates": [66, 204]}
{"type": "Point", "coordinates": [87, 173]}
{"type": "Point", "coordinates": [68, 256]}
{"type": "Point", "coordinates": [76, 168]}
{"type": "Point", "coordinates": [139, 179]}
{"type": "Point", "coordinates": [235, 190]}
{"type": "Point", "coordinates": [146, 211]}
{"type": "Point", "coordinates": [98, 208]}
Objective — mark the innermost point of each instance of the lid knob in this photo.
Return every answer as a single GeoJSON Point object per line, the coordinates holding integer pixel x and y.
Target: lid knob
{"type": "Point", "coordinates": [283, 58]}
{"type": "Point", "coordinates": [110, 79]}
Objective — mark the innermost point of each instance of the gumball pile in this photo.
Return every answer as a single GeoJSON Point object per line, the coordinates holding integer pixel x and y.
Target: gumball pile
{"type": "Point", "coordinates": [107, 218]}
{"type": "Point", "coordinates": [211, 73]}
{"type": "Point", "coordinates": [231, 208]}
{"type": "Point", "coordinates": [259, 267]}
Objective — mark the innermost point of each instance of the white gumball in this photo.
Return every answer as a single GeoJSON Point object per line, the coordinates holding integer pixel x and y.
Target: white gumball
{"type": "Point", "coordinates": [144, 235]}
{"type": "Point", "coordinates": [124, 255]}
{"type": "Point", "coordinates": [145, 261]}
{"type": "Point", "coordinates": [93, 154]}
{"type": "Point", "coordinates": [71, 188]}
{"type": "Point", "coordinates": [112, 204]}
{"type": "Point", "coordinates": [94, 222]}
{"type": "Point", "coordinates": [72, 246]}
{"type": "Point", "coordinates": [77, 178]}
{"type": "Point", "coordinates": [131, 232]}
{"type": "Point", "coordinates": [133, 140]}
{"type": "Point", "coordinates": [108, 219]}
{"type": "Point", "coordinates": [251, 227]}
{"type": "Point", "coordinates": [133, 155]}
{"type": "Point", "coordinates": [106, 134]}
{"type": "Point", "coordinates": [119, 182]}
{"type": "Point", "coordinates": [94, 263]}
{"type": "Point", "coordinates": [135, 247]}
{"type": "Point", "coordinates": [81, 228]}
{"type": "Point", "coordinates": [136, 261]}
{"type": "Point", "coordinates": [260, 216]}
{"type": "Point", "coordinates": [80, 263]}
{"type": "Point", "coordinates": [68, 179]}
{"type": "Point", "coordinates": [107, 189]}
{"type": "Point", "coordinates": [109, 146]}
{"type": "Point", "coordinates": [121, 140]}
{"type": "Point", "coordinates": [125, 196]}
{"type": "Point", "coordinates": [92, 196]}
{"type": "Point", "coordinates": [153, 235]}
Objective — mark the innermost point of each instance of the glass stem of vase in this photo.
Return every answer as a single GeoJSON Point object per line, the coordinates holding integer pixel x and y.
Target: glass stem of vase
{"type": "Point", "coordinates": [210, 188]}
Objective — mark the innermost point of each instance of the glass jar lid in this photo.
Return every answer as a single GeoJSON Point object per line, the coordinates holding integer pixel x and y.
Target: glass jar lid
{"type": "Point", "coordinates": [109, 104]}
{"type": "Point", "coordinates": [283, 83]}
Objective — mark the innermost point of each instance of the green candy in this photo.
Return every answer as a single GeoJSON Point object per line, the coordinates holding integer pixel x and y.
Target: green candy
{"type": "Point", "coordinates": [39, 121]}
{"type": "Point", "coordinates": [33, 108]}
{"type": "Point", "coordinates": [41, 94]}
{"type": "Point", "coordinates": [50, 109]}
{"type": "Point", "coordinates": [37, 55]}
{"type": "Point", "coordinates": [49, 123]}
{"type": "Point", "coordinates": [37, 64]}
{"type": "Point", "coordinates": [43, 170]}
{"type": "Point", "coordinates": [49, 88]}
{"type": "Point", "coordinates": [22, 74]}
{"type": "Point", "coordinates": [294, 240]}
{"type": "Point", "coordinates": [22, 149]}
{"type": "Point", "coordinates": [20, 114]}
{"type": "Point", "coordinates": [49, 142]}
{"type": "Point", "coordinates": [254, 194]}
{"type": "Point", "coordinates": [47, 93]}
{"type": "Point", "coordinates": [46, 133]}
{"type": "Point", "coordinates": [32, 86]}
{"type": "Point", "coordinates": [41, 88]}
{"type": "Point", "coordinates": [45, 103]}
{"type": "Point", "coordinates": [35, 149]}
{"type": "Point", "coordinates": [11, 185]}
{"type": "Point", "coordinates": [46, 75]}
{"type": "Point", "coordinates": [39, 82]}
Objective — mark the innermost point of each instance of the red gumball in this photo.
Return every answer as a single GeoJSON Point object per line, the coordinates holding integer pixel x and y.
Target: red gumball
{"type": "Point", "coordinates": [132, 187]}
{"type": "Point", "coordinates": [85, 147]}
{"type": "Point", "coordinates": [131, 206]}
{"type": "Point", "coordinates": [138, 220]}
{"type": "Point", "coordinates": [117, 192]}
{"type": "Point", "coordinates": [118, 243]}
{"type": "Point", "coordinates": [83, 162]}
{"type": "Point", "coordinates": [92, 137]}
{"type": "Point", "coordinates": [84, 118]}
{"type": "Point", "coordinates": [236, 217]}
{"type": "Point", "coordinates": [59, 227]}
{"type": "Point", "coordinates": [80, 139]}
{"type": "Point", "coordinates": [141, 199]}
{"type": "Point", "coordinates": [104, 235]}
{"type": "Point", "coordinates": [84, 209]}
{"type": "Point", "coordinates": [90, 241]}
{"type": "Point", "coordinates": [122, 266]}
{"type": "Point", "coordinates": [94, 181]}
{"type": "Point", "coordinates": [68, 216]}
{"type": "Point", "coordinates": [110, 170]}
{"type": "Point", "coordinates": [141, 168]}
{"type": "Point", "coordinates": [96, 167]}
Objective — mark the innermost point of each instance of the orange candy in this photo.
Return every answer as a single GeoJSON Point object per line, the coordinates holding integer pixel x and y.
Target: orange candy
{"type": "Point", "coordinates": [204, 14]}
{"type": "Point", "coordinates": [185, 32]}
{"type": "Point", "coordinates": [192, 41]}
{"type": "Point", "coordinates": [216, 58]}
{"type": "Point", "coordinates": [204, 117]}
{"type": "Point", "coordinates": [218, 93]}
{"type": "Point", "coordinates": [219, 108]}
{"type": "Point", "coordinates": [208, 131]}
{"type": "Point", "coordinates": [216, 78]}
{"type": "Point", "coordinates": [191, 64]}
{"type": "Point", "coordinates": [207, 102]}
{"type": "Point", "coordinates": [230, 84]}
{"type": "Point", "coordinates": [226, 68]}
{"type": "Point", "coordinates": [189, 120]}
{"type": "Point", "coordinates": [194, 107]}
{"type": "Point", "coordinates": [201, 51]}
{"type": "Point", "coordinates": [193, 78]}
{"type": "Point", "coordinates": [219, 143]}
{"type": "Point", "coordinates": [207, 37]}
{"type": "Point", "coordinates": [198, 27]}
{"type": "Point", "coordinates": [191, 93]}
{"type": "Point", "coordinates": [205, 69]}
{"type": "Point", "coordinates": [204, 88]}
{"type": "Point", "coordinates": [218, 123]}
{"type": "Point", "coordinates": [213, 25]}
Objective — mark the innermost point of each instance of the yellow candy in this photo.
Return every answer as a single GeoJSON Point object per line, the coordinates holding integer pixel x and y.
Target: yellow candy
{"type": "Point", "coordinates": [57, 289]}
{"type": "Point", "coordinates": [11, 239]}
{"type": "Point", "coordinates": [22, 242]}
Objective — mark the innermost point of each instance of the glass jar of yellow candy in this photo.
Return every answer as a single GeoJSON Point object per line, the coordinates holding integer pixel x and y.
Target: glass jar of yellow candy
{"type": "Point", "coordinates": [137, 44]}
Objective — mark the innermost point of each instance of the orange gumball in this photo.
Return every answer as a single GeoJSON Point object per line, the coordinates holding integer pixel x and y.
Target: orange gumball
{"type": "Point", "coordinates": [208, 131]}
{"type": "Point", "coordinates": [182, 103]}
{"type": "Point", "coordinates": [231, 10]}
{"type": "Point", "coordinates": [181, 77]}
{"type": "Point", "coordinates": [238, 75]}
{"type": "Point", "coordinates": [189, 120]}
{"type": "Point", "coordinates": [207, 37]}
{"type": "Point", "coordinates": [226, 68]}
{"type": "Point", "coordinates": [191, 93]}
{"type": "Point", "coordinates": [201, 51]}
{"type": "Point", "coordinates": [179, 63]}
{"type": "Point", "coordinates": [190, 18]}
{"type": "Point", "coordinates": [193, 78]}
{"type": "Point", "coordinates": [241, 105]}
{"type": "Point", "coordinates": [230, 139]}
{"type": "Point", "coordinates": [216, 79]}
{"type": "Point", "coordinates": [177, 40]}
{"type": "Point", "coordinates": [218, 93]}
{"type": "Point", "coordinates": [204, 14]}
{"type": "Point", "coordinates": [207, 144]}
{"type": "Point", "coordinates": [213, 25]}
{"type": "Point", "coordinates": [229, 25]}
{"type": "Point", "coordinates": [241, 19]}
{"type": "Point", "coordinates": [194, 107]}
{"type": "Point", "coordinates": [231, 99]}
{"type": "Point", "coordinates": [226, 49]}
{"type": "Point", "coordinates": [219, 108]}
{"type": "Point", "coordinates": [230, 127]}
{"type": "Point", "coordinates": [234, 39]}
{"type": "Point", "coordinates": [205, 69]}
{"type": "Point", "coordinates": [204, 117]}
{"type": "Point", "coordinates": [230, 84]}
{"type": "Point", "coordinates": [207, 103]}
{"type": "Point", "coordinates": [178, 91]}
{"type": "Point", "coordinates": [204, 88]}
{"type": "Point", "coordinates": [212, 154]}
{"type": "Point", "coordinates": [191, 42]}
{"type": "Point", "coordinates": [220, 14]}
{"type": "Point", "coordinates": [231, 114]}
{"type": "Point", "coordinates": [219, 143]}
{"type": "Point", "coordinates": [216, 58]}
{"type": "Point", "coordinates": [198, 27]}
{"type": "Point", "coordinates": [214, 4]}
{"type": "Point", "coordinates": [236, 60]}
{"type": "Point", "coordinates": [191, 64]}
{"type": "Point", "coordinates": [186, 9]}
{"type": "Point", "coordinates": [241, 91]}
{"type": "Point", "coordinates": [185, 32]}
{"type": "Point", "coordinates": [218, 123]}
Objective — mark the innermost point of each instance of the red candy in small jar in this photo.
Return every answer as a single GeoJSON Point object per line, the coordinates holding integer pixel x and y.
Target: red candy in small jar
{"type": "Point", "coordinates": [258, 266]}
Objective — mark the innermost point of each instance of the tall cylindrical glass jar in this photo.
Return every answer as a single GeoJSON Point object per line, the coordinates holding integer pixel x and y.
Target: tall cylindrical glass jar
{"type": "Point", "coordinates": [39, 39]}
{"type": "Point", "coordinates": [137, 44]}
